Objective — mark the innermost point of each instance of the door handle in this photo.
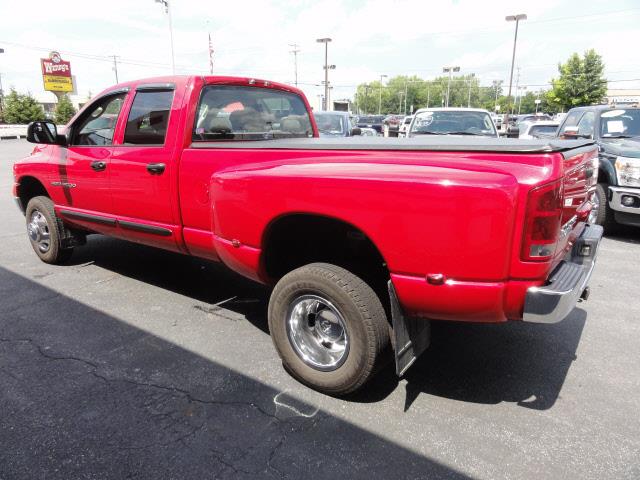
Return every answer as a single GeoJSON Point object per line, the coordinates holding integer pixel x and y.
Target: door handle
{"type": "Point", "coordinates": [155, 168]}
{"type": "Point", "coordinates": [98, 165]}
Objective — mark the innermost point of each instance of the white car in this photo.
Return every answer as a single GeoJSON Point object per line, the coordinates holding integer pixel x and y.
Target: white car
{"type": "Point", "coordinates": [453, 121]}
{"type": "Point", "coordinates": [497, 119]}
{"type": "Point", "coordinates": [404, 126]}
{"type": "Point", "coordinates": [543, 128]}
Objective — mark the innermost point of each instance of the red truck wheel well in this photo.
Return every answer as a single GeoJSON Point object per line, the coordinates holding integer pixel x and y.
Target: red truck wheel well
{"type": "Point", "coordinates": [30, 187]}
{"type": "Point", "coordinates": [299, 239]}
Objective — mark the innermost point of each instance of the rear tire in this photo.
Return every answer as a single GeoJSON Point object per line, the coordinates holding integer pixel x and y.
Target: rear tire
{"type": "Point", "coordinates": [45, 231]}
{"type": "Point", "coordinates": [329, 328]}
{"type": "Point", "coordinates": [604, 215]}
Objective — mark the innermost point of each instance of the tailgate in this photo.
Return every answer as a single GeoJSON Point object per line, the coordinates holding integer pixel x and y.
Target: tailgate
{"type": "Point", "coordinates": [580, 177]}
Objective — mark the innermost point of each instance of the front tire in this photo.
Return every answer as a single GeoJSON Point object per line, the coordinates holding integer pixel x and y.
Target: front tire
{"type": "Point", "coordinates": [328, 327]}
{"type": "Point", "coordinates": [602, 214]}
{"type": "Point", "coordinates": [44, 231]}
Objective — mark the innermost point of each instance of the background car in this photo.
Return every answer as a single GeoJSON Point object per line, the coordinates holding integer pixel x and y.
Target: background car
{"type": "Point", "coordinates": [616, 130]}
{"type": "Point", "coordinates": [541, 129]}
{"type": "Point", "coordinates": [497, 120]}
{"type": "Point", "coordinates": [532, 117]}
{"type": "Point", "coordinates": [453, 121]}
{"type": "Point", "coordinates": [335, 124]}
{"type": "Point", "coordinates": [404, 126]}
{"type": "Point", "coordinates": [371, 121]}
{"type": "Point", "coordinates": [391, 125]}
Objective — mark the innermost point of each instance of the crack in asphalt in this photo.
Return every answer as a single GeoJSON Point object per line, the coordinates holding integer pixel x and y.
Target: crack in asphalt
{"type": "Point", "coordinates": [278, 422]}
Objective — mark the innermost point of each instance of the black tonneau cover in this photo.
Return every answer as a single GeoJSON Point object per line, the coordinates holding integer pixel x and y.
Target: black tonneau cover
{"type": "Point", "coordinates": [439, 143]}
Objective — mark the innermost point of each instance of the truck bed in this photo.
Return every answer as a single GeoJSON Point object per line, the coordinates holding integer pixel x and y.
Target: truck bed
{"type": "Point", "coordinates": [426, 143]}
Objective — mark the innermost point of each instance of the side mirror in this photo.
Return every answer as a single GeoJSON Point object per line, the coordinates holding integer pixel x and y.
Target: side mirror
{"type": "Point", "coordinates": [570, 133]}
{"type": "Point", "coordinates": [44, 132]}
{"type": "Point", "coordinates": [513, 132]}
{"type": "Point", "coordinates": [356, 131]}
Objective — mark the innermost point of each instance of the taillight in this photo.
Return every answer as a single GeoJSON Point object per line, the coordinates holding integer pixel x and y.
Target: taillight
{"type": "Point", "coordinates": [542, 222]}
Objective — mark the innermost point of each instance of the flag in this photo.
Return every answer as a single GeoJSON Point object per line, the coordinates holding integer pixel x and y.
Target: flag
{"type": "Point", "coordinates": [210, 56]}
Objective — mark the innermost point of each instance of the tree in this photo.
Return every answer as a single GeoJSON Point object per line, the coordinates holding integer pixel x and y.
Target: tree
{"type": "Point", "coordinates": [64, 111]}
{"type": "Point", "coordinates": [21, 109]}
{"type": "Point", "coordinates": [581, 82]}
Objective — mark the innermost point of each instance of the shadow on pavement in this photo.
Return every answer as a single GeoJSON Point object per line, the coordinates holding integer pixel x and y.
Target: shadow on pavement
{"type": "Point", "coordinates": [86, 395]}
{"type": "Point", "coordinates": [626, 234]}
{"type": "Point", "coordinates": [489, 364]}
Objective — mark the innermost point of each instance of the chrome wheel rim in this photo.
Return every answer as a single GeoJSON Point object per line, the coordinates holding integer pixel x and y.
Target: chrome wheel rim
{"type": "Point", "coordinates": [317, 332]}
{"type": "Point", "coordinates": [593, 214]}
{"type": "Point", "coordinates": [38, 230]}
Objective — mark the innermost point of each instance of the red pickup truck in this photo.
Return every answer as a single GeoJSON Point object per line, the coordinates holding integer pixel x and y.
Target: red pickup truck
{"type": "Point", "coordinates": [364, 240]}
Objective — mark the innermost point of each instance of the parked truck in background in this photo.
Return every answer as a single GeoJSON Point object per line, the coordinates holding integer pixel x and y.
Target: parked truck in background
{"type": "Point", "coordinates": [364, 240]}
{"type": "Point", "coordinates": [617, 133]}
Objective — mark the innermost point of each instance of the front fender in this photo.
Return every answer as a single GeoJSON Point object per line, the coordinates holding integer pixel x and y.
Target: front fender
{"type": "Point", "coordinates": [607, 170]}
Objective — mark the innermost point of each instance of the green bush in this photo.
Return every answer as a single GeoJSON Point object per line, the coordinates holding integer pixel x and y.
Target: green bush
{"type": "Point", "coordinates": [64, 111]}
{"type": "Point", "coordinates": [21, 109]}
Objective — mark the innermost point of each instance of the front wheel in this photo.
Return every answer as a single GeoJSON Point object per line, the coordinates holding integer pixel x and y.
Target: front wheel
{"type": "Point", "coordinates": [328, 327]}
{"type": "Point", "coordinates": [44, 231]}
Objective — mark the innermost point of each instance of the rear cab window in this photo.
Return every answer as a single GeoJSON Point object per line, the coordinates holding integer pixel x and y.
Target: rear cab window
{"type": "Point", "coordinates": [148, 117]}
{"type": "Point", "coordinates": [228, 113]}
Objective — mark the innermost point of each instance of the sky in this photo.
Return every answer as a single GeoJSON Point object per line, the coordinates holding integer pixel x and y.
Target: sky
{"type": "Point", "coordinates": [369, 38]}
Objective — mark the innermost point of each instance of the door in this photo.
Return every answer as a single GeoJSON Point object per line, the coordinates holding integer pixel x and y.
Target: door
{"type": "Point", "coordinates": [143, 175]}
{"type": "Point", "coordinates": [83, 166]}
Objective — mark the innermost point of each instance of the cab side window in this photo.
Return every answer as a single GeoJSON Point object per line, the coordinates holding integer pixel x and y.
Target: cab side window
{"type": "Point", "coordinates": [148, 118]}
{"type": "Point", "coordinates": [585, 126]}
{"type": "Point", "coordinates": [97, 125]}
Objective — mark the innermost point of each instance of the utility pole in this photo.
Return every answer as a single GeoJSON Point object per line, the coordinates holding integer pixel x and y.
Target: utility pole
{"type": "Point", "coordinates": [469, 99]}
{"type": "Point", "coordinates": [167, 10]}
{"type": "Point", "coordinates": [520, 98]}
{"type": "Point", "coordinates": [513, 18]}
{"type": "Point", "coordinates": [326, 71]}
{"type": "Point", "coordinates": [295, 52]}
{"type": "Point", "coordinates": [428, 94]}
{"type": "Point", "coordinates": [115, 67]}
{"type": "Point", "coordinates": [380, 95]}
{"type": "Point", "coordinates": [496, 85]}
{"type": "Point", "coordinates": [449, 70]}
{"type": "Point", "coordinates": [516, 97]}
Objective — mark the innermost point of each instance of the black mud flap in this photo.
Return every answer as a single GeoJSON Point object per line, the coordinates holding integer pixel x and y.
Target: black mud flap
{"type": "Point", "coordinates": [412, 336]}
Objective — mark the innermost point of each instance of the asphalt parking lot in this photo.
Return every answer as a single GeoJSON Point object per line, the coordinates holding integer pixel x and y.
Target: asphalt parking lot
{"type": "Point", "coordinates": [131, 362]}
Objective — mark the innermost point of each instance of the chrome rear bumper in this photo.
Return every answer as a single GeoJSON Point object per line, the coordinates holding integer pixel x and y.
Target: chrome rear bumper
{"type": "Point", "coordinates": [567, 283]}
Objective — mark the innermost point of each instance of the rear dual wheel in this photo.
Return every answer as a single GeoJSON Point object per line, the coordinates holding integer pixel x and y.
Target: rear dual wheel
{"type": "Point", "coordinates": [329, 327]}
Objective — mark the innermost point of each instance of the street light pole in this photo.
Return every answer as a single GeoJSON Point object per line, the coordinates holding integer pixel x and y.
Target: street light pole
{"type": "Point", "coordinates": [380, 96]}
{"type": "Point", "coordinates": [513, 18]}
{"type": "Point", "coordinates": [1, 91]}
{"type": "Point", "coordinates": [167, 10]}
{"type": "Point", "coordinates": [295, 52]}
{"type": "Point", "coordinates": [326, 70]}
{"type": "Point", "coordinates": [449, 70]}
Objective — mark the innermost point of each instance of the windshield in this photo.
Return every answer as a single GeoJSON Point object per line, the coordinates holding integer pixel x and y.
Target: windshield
{"type": "Point", "coordinates": [620, 123]}
{"type": "Point", "coordinates": [453, 123]}
{"type": "Point", "coordinates": [538, 129]}
{"type": "Point", "coordinates": [333, 124]}
{"type": "Point", "coordinates": [370, 119]}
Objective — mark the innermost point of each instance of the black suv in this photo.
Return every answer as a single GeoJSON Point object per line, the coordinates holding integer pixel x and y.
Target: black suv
{"type": "Point", "coordinates": [371, 121]}
{"type": "Point", "coordinates": [617, 131]}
